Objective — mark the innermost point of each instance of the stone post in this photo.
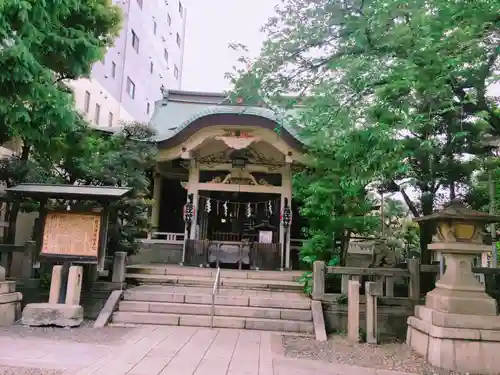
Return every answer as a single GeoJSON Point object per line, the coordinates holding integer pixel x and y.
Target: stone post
{"type": "Point", "coordinates": [414, 284]}
{"type": "Point", "coordinates": [372, 290]}
{"type": "Point", "coordinates": [74, 287]}
{"type": "Point", "coordinates": [319, 274]}
{"type": "Point", "coordinates": [389, 286]}
{"type": "Point", "coordinates": [345, 284]}
{"type": "Point", "coordinates": [353, 311]}
{"type": "Point", "coordinates": [2, 273]}
{"type": "Point", "coordinates": [55, 284]}
{"type": "Point", "coordinates": [119, 267]}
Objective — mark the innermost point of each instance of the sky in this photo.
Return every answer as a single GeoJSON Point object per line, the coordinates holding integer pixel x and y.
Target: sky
{"type": "Point", "coordinates": [211, 26]}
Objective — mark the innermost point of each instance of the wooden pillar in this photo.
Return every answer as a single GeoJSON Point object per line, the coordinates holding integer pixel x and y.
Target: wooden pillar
{"type": "Point", "coordinates": [155, 211]}
{"type": "Point", "coordinates": [286, 183]}
{"type": "Point", "coordinates": [194, 178]}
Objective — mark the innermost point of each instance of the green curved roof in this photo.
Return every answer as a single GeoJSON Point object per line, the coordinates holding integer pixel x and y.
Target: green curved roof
{"type": "Point", "coordinates": [179, 109]}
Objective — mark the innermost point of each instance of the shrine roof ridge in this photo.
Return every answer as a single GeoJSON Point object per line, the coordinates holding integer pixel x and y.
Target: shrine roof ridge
{"type": "Point", "coordinates": [178, 109]}
{"type": "Point", "coordinates": [62, 191]}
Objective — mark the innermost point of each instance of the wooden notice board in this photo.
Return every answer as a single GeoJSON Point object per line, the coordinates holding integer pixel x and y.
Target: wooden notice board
{"type": "Point", "coordinates": [71, 236]}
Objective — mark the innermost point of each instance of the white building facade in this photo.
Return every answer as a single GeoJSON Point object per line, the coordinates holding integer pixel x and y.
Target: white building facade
{"type": "Point", "coordinates": [146, 57]}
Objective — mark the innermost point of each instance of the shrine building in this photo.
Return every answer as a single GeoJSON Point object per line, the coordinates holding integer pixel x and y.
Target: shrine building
{"type": "Point", "coordinates": [222, 185]}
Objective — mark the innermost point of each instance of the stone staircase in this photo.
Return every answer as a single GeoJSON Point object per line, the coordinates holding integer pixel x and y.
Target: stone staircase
{"type": "Point", "coordinates": [173, 295]}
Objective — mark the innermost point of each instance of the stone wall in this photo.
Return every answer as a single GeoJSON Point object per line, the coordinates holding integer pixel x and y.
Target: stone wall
{"type": "Point", "coordinates": [157, 253]}
{"type": "Point", "coordinates": [391, 320]}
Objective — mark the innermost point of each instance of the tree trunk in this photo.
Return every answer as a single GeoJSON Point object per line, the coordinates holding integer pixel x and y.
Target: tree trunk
{"type": "Point", "coordinates": [344, 247]}
{"type": "Point", "coordinates": [14, 212]}
{"type": "Point", "coordinates": [426, 229]}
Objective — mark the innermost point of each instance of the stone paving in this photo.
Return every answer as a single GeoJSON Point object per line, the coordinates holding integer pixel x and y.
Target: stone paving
{"type": "Point", "coordinates": [154, 350]}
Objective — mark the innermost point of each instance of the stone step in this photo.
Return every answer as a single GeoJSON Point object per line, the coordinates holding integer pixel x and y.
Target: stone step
{"type": "Point", "coordinates": [128, 317]}
{"type": "Point", "coordinates": [206, 281]}
{"type": "Point", "coordinates": [296, 302]}
{"type": "Point", "coordinates": [153, 269]}
{"type": "Point", "coordinates": [205, 309]}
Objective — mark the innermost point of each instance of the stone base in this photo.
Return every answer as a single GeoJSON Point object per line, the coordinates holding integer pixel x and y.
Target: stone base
{"type": "Point", "coordinates": [457, 342]}
{"type": "Point", "coordinates": [51, 314]}
{"type": "Point", "coordinates": [10, 303]}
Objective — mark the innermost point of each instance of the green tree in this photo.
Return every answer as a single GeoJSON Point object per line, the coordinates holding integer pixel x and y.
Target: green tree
{"type": "Point", "coordinates": [123, 159]}
{"type": "Point", "coordinates": [44, 43]}
{"type": "Point", "coordinates": [413, 72]}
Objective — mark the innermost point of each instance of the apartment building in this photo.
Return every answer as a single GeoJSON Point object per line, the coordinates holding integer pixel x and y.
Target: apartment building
{"type": "Point", "coordinates": [147, 56]}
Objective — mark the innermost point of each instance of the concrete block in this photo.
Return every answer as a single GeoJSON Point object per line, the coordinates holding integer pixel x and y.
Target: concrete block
{"type": "Point", "coordinates": [47, 314]}
{"type": "Point", "coordinates": [137, 306]}
{"type": "Point", "coordinates": [2, 273]}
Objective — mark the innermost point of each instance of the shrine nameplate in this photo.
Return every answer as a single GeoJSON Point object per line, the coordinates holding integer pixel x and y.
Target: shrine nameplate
{"type": "Point", "coordinates": [71, 236]}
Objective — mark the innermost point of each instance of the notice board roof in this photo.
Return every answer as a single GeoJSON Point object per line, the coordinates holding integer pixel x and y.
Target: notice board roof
{"type": "Point", "coordinates": [77, 192]}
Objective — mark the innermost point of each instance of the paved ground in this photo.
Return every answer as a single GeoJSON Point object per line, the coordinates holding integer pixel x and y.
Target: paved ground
{"type": "Point", "coordinates": [160, 351]}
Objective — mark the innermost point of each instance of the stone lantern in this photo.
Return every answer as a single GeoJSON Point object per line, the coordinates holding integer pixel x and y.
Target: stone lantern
{"type": "Point", "coordinates": [458, 328]}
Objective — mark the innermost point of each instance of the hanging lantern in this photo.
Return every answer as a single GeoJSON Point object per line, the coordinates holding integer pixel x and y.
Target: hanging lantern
{"type": "Point", "coordinates": [286, 217]}
{"type": "Point", "coordinates": [189, 210]}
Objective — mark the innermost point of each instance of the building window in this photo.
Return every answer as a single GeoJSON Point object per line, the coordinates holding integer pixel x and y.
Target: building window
{"type": "Point", "coordinates": [130, 88]}
{"type": "Point", "coordinates": [113, 69]}
{"type": "Point", "coordinates": [154, 27]}
{"type": "Point", "coordinates": [178, 40]}
{"type": "Point", "coordinates": [180, 8]}
{"type": "Point", "coordinates": [135, 41]}
{"type": "Point", "coordinates": [169, 19]}
{"type": "Point", "coordinates": [151, 67]}
{"type": "Point", "coordinates": [147, 108]}
{"type": "Point", "coordinates": [86, 104]}
{"type": "Point", "coordinates": [110, 119]}
{"type": "Point", "coordinates": [165, 54]}
{"type": "Point", "coordinates": [176, 72]}
{"type": "Point", "coordinates": [97, 113]}
{"type": "Point", "coordinates": [140, 3]}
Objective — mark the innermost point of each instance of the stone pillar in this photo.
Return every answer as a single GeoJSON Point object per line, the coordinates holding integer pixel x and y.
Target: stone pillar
{"type": "Point", "coordinates": [155, 210]}
{"type": "Point", "coordinates": [353, 311]}
{"type": "Point", "coordinates": [345, 284]}
{"type": "Point", "coordinates": [389, 286]}
{"type": "Point", "coordinates": [372, 290]}
{"type": "Point", "coordinates": [414, 284]}
{"type": "Point", "coordinates": [319, 274]}
{"type": "Point", "coordinates": [74, 287]}
{"type": "Point", "coordinates": [119, 267]}
{"type": "Point", "coordinates": [55, 284]}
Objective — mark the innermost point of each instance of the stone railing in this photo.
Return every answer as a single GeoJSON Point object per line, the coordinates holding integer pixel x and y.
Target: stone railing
{"type": "Point", "coordinates": [385, 277]}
